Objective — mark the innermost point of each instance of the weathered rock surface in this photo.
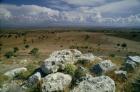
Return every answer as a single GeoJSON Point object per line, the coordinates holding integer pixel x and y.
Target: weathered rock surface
{"type": "Point", "coordinates": [34, 79]}
{"type": "Point", "coordinates": [15, 72]}
{"type": "Point", "coordinates": [121, 74]}
{"type": "Point", "coordinates": [129, 66]}
{"type": "Point", "coordinates": [135, 59]}
{"type": "Point", "coordinates": [96, 84]}
{"type": "Point", "coordinates": [56, 82]}
{"type": "Point", "coordinates": [59, 58]}
{"type": "Point", "coordinates": [86, 58]}
{"type": "Point", "coordinates": [103, 67]}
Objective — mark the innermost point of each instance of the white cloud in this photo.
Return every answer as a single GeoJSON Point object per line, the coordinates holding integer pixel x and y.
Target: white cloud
{"type": "Point", "coordinates": [120, 7]}
{"type": "Point", "coordinates": [84, 2]}
{"type": "Point", "coordinates": [36, 15]}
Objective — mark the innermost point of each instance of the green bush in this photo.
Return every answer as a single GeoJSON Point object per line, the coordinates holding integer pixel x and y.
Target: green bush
{"type": "Point", "coordinates": [124, 45]}
{"type": "Point", "coordinates": [24, 75]}
{"type": "Point", "coordinates": [112, 55]}
{"type": "Point", "coordinates": [27, 46]}
{"type": "Point", "coordinates": [9, 54]}
{"type": "Point", "coordinates": [15, 49]}
{"type": "Point", "coordinates": [70, 69]}
{"type": "Point", "coordinates": [34, 51]}
{"type": "Point", "coordinates": [80, 72]}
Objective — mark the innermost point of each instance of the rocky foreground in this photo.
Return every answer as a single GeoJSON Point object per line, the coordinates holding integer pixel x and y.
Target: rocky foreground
{"type": "Point", "coordinates": [71, 71]}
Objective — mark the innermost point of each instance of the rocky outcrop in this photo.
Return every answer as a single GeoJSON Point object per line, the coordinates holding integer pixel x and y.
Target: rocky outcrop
{"type": "Point", "coordinates": [34, 79]}
{"type": "Point", "coordinates": [55, 82]}
{"type": "Point", "coordinates": [58, 59]}
{"type": "Point", "coordinates": [96, 84]}
{"type": "Point", "coordinates": [103, 67]}
{"type": "Point", "coordinates": [15, 72]}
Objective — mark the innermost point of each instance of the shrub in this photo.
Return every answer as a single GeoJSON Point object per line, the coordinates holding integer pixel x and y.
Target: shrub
{"type": "Point", "coordinates": [87, 37]}
{"type": "Point", "coordinates": [34, 51]}
{"type": "Point", "coordinates": [80, 72]}
{"type": "Point", "coordinates": [118, 44]}
{"type": "Point", "coordinates": [124, 45]}
{"type": "Point", "coordinates": [112, 55]}
{"type": "Point", "coordinates": [23, 75]}
{"type": "Point", "coordinates": [31, 67]}
{"type": "Point", "coordinates": [9, 54]}
{"type": "Point", "coordinates": [15, 49]}
{"type": "Point", "coordinates": [70, 69]}
{"type": "Point", "coordinates": [27, 46]}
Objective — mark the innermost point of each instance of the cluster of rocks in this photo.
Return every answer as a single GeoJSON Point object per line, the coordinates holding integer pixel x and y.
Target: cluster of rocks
{"type": "Point", "coordinates": [54, 80]}
{"type": "Point", "coordinates": [129, 65]}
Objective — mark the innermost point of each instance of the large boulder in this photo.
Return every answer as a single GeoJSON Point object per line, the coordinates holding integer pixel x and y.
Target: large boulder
{"type": "Point", "coordinates": [34, 79]}
{"type": "Point", "coordinates": [56, 82]}
{"type": "Point", "coordinates": [15, 72]}
{"type": "Point", "coordinates": [135, 59]}
{"type": "Point", "coordinates": [96, 84]}
{"type": "Point", "coordinates": [103, 67]}
{"type": "Point", "coordinates": [58, 59]}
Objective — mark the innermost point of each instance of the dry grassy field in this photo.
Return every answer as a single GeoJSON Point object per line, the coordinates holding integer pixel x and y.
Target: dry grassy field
{"type": "Point", "coordinates": [114, 46]}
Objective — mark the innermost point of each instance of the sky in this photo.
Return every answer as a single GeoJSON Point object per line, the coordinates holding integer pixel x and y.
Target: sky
{"type": "Point", "coordinates": [44, 13]}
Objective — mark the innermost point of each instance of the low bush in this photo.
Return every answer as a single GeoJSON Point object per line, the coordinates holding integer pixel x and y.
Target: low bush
{"type": "Point", "coordinates": [23, 75]}
{"type": "Point", "coordinates": [80, 72]}
{"type": "Point", "coordinates": [112, 55]}
{"type": "Point", "coordinates": [9, 54]}
{"type": "Point", "coordinates": [15, 49]}
{"type": "Point", "coordinates": [27, 46]}
{"type": "Point", "coordinates": [70, 69]}
{"type": "Point", "coordinates": [34, 51]}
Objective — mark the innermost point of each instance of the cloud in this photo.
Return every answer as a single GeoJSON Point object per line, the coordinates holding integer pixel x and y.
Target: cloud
{"type": "Point", "coordinates": [86, 2]}
{"type": "Point", "coordinates": [121, 13]}
{"type": "Point", "coordinates": [120, 8]}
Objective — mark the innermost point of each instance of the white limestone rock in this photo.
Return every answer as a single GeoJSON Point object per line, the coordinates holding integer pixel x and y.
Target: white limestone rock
{"type": "Point", "coordinates": [96, 84]}
{"type": "Point", "coordinates": [135, 59]}
{"type": "Point", "coordinates": [121, 74]}
{"type": "Point", "coordinates": [86, 58]}
{"type": "Point", "coordinates": [15, 72]}
{"type": "Point", "coordinates": [56, 82]}
{"type": "Point", "coordinates": [58, 58]}
{"type": "Point", "coordinates": [103, 67]}
{"type": "Point", "coordinates": [34, 79]}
